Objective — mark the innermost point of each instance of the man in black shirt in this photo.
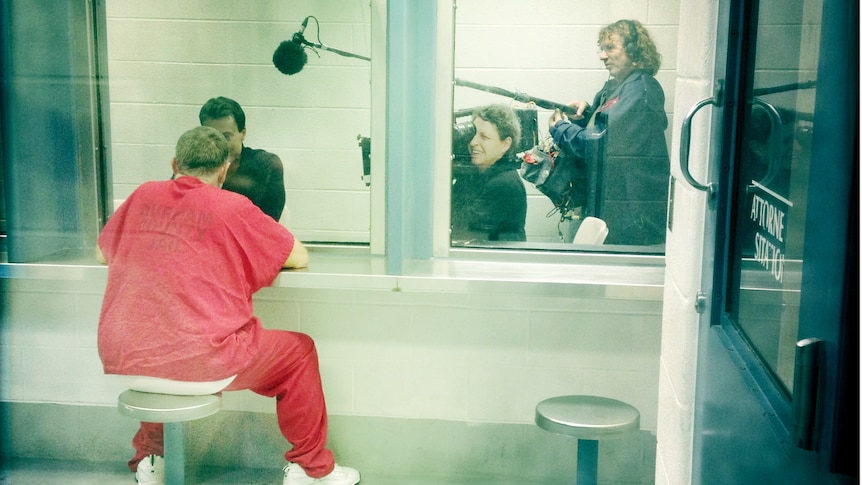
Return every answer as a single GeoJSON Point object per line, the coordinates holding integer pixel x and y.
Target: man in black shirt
{"type": "Point", "coordinates": [256, 174]}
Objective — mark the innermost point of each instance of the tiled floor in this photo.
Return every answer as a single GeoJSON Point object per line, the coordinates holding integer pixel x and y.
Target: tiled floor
{"type": "Point", "coordinates": [50, 472]}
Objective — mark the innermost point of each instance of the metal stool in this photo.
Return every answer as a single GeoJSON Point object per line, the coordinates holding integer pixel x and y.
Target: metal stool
{"type": "Point", "coordinates": [174, 411]}
{"type": "Point", "coordinates": [588, 418]}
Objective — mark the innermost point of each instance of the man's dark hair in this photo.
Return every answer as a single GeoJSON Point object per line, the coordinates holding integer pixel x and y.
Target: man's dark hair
{"type": "Point", "coordinates": [221, 107]}
{"type": "Point", "coordinates": [201, 151]}
{"type": "Point", "coordinates": [505, 120]}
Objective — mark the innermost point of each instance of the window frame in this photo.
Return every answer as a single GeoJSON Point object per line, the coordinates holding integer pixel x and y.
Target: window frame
{"type": "Point", "coordinates": [427, 216]}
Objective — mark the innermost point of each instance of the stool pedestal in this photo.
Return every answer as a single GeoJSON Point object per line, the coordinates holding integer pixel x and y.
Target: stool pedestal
{"type": "Point", "coordinates": [174, 411]}
{"type": "Point", "coordinates": [590, 419]}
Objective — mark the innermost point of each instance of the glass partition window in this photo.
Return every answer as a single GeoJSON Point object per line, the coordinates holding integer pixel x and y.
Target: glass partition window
{"type": "Point", "coordinates": [167, 58]}
{"type": "Point", "coordinates": [537, 56]}
{"type": "Point", "coordinates": [772, 186]}
{"type": "Point", "coordinates": [51, 145]}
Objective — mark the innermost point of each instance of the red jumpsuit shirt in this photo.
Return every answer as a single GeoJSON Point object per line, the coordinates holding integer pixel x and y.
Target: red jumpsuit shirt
{"type": "Point", "coordinates": [184, 259]}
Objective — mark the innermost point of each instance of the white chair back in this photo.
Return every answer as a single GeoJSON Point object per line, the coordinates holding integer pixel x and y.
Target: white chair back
{"type": "Point", "coordinates": [591, 231]}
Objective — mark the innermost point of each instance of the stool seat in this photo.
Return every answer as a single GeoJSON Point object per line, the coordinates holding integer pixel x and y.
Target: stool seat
{"type": "Point", "coordinates": [174, 410]}
{"type": "Point", "coordinates": [587, 417]}
{"type": "Point", "coordinates": [167, 408]}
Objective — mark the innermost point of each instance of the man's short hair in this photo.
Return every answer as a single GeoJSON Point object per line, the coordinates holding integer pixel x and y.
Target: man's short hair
{"type": "Point", "coordinates": [504, 118]}
{"type": "Point", "coordinates": [201, 151]}
{"type": "Point", "coordinates": [221, 107]}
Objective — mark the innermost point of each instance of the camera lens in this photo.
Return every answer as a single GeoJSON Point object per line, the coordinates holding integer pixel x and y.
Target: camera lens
{"type": "Point", "coordinates": [462, 133]}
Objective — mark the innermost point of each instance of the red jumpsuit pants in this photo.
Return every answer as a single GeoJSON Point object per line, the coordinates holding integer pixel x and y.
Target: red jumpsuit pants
{"type": "Point", "coordinates": [286, 368]}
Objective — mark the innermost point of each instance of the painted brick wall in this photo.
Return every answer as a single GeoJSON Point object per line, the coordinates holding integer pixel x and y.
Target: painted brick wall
{"type": "Point", "coordinates": [404, 373]}
{"type": "Point", "coordinates": [455, 356]}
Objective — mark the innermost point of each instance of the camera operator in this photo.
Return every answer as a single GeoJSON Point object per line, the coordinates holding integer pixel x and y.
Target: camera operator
{"type": "Point", "coordinates": [489, 202]}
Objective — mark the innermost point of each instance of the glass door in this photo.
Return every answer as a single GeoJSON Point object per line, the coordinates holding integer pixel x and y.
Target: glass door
{"type": "Point", "coordinates": [772, 182]}
{"type": "Point", "coordinates": [777, 388]}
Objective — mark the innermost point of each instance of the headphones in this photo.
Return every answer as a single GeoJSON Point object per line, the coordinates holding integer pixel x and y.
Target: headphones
{"type": "Point", "coordinates": [632, 48]}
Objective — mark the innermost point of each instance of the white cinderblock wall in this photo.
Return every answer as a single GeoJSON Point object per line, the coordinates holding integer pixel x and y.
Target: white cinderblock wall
{"type": "Point", "coordinates": [475, 357]}
{"type": "Point", "coordinates": [166, 58]}
{"type": "Point", "coordinates": [685, 249]}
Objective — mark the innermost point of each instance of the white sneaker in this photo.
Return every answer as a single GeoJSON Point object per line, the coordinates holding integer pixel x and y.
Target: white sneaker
{"type": "Point", "coordinates": [341, 475]}
{"type": "Point", "coordinates": [151, 471]}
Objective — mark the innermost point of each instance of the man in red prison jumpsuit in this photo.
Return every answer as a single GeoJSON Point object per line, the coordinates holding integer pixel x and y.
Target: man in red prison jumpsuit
{"type": "Point", "coordinates": [184, 259]}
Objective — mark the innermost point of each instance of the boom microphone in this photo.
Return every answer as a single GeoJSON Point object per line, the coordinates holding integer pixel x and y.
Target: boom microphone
{"type": "Point", "coordinates": [522, 97]}
{"type": "Point", "coordinates": [290, 56]}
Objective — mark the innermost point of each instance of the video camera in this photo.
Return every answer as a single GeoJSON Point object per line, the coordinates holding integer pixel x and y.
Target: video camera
{"type": "Point", "coordinates": [462, 133]}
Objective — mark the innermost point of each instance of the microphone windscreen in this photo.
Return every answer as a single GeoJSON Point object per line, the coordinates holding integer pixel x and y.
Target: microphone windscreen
{"type": "Point", "coordinates": [289, 57]}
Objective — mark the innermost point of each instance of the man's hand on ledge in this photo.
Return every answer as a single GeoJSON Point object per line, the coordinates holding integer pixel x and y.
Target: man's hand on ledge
{"type": "Point", "coordinates": [298, 257]}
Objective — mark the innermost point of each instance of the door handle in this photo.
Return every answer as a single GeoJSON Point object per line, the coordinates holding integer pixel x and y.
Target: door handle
{"type": "Point", "coordinates": [807, 381]}
{"type": "Point", "coordinates": [685, 140]}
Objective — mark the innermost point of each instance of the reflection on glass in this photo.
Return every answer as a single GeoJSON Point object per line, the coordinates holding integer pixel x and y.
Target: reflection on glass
{"type": "Point", "coordinates": [772, 185]}
{"type": "Point", "coordinates": [614, 146]}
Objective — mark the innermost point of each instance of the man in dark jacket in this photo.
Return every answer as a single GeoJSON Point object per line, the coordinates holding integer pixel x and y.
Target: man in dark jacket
{"type": "Point", "coordinates": [621, 138]}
